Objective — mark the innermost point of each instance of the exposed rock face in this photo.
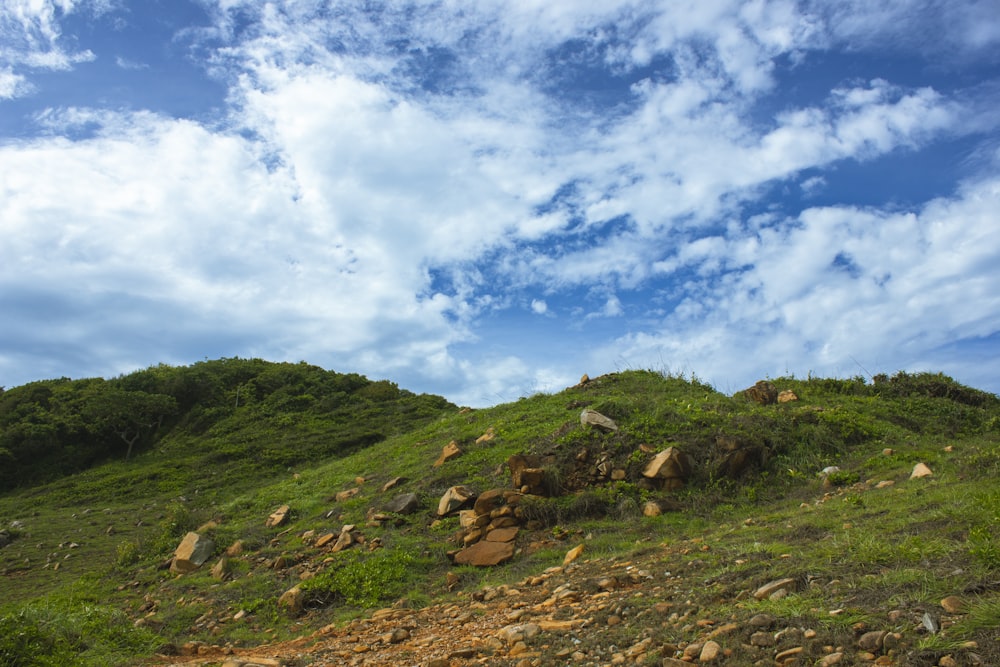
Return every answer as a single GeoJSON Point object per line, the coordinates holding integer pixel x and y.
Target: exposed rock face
{"type": "Point", "coordinates": [527, 474]}
{"type": "Point", "coordinates": [191, 553]}
{"type": "Point", "coordinates": [455, 499]}
{"type": "Point", "coordinates": [597, 420]}
{"type": "Point", "coordinates": [448, 452]}
{"type": "Point", "coordinates": [764, 393]}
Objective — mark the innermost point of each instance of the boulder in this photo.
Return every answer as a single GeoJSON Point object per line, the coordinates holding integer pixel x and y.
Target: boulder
{"type": "Point", "coordinates": [191, 553]}
{"type": "Point", "coordinates": [763, 393]}
{"type": "Point", "coordinates": [279, 517]}
{"type": "Point", "coordinates": [787, 396]}
{"type": "Point", "coordinates": [596, 420]}
{"type": "Point", "coordinates": [292, 600]}
{"type": "Point", "coordinates": [671, 463]}
{"type": "Point", "coordinates": [485, 554]}
{"type": "Point", "coordinates": [448, 452]}
{"type": "Point", "coordinates": [495, 499]}
{"type": "Point", "coordinates": [455, 499]}
{"type": "Point", "coordinates": [405, 503]}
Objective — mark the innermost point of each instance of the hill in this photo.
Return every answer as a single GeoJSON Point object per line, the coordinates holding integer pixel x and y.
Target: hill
{"type": "Point", "coordinates": [681, 509]}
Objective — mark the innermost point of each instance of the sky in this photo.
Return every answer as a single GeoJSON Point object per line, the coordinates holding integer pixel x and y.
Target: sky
{"type": "Point", "coordinates": [486, 200]}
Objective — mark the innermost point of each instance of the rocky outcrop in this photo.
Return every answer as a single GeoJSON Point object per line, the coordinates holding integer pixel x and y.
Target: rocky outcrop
{"type": "Point", "coordinates": [762, 393]}
{"type": "Point", "coordinates": [489, 529]}
{"type": "Point", "coordinates": [669, 469]}
{"type": "Point", "coordinates": [527, 474]}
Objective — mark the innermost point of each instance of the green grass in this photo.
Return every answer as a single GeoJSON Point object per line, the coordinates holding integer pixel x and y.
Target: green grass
{"type": "Point", "coordinates": [855, 549]}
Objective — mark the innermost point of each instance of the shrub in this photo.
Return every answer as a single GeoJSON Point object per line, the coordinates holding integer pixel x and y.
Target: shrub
{"type": "Point", "coordinates": [364, 579]}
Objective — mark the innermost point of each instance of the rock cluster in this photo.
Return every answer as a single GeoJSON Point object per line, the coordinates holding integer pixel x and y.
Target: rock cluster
{"type": "Point", "coordinates": [489, 528]}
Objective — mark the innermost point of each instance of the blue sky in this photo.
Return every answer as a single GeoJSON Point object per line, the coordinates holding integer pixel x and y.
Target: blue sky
{"type": "Point", "coordinates": [485, 200]}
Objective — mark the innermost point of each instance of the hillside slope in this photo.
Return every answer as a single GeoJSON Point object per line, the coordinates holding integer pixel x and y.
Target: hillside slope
{"type": "Point", "coordinates": [866, 553]}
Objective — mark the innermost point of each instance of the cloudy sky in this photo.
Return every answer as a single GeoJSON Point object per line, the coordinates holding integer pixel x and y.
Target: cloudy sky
{"type": "Point", "coordinates": [488, 199]}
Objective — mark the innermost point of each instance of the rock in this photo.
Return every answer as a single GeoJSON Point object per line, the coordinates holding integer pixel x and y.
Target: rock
{"type": "Point", "coordinates": [527, 475]}
{"type": "Point", "coordinates": [921, 470]}
{"type": "Point", "coordinates": [393, 483]}
{"type": "Point", "coordinates": [953, 604]}
{"type": "Point", "coordinates": [670, 463]}
{"type": "Point", "coordinates": [235, 549]}
{"type": "Point", "coordinates": [5, 538]}
{"type": "Point", "coordinates": [486, 437]}
{"type": "Point", "coordinates": [573, 554]}
{"type": "Point", "coordinates": [763, 393]}
{"type": "Point", "coordinates": [710, 651]}
{"type": "Point", "coordinates": [658, 506]}
{"type": "Point", "coordinates": [345, 539]}
{"type": "Point", "coordinates": [770, 588]}
{"type": "Point", "coordinates": [502, 534]}
{"type": "Point", "coordinates": [871, 641]}
{"type": "Point", "coordinates": [485, 554]}
{"type": "Point", "coordinates": [346, 494]}
{"type": "Point", "coordinates": [191, 553]}
{"type": "Point", "coordinates": [454, 499]}
{"type": "Point", "coordinates": [292, 600]}
{"type": "Point", "coordinates": [220, 569]}
{"type": "Point", "coordinates": [761, 638]}
{"type": "Point", "coordinates": [596, 420]}
{"type": "Point", "coordinates": [405, 503]}
{"type": "Point", "coordinates": [495, 499]}
{"type": "Point", "coordinates": [832, 659]}
{"type": "Point", "coordinates": [448, 452]}
{"type": "Point", "coordinates": [787, 396]}
{"type": "Point", "coordinates": [325, 539]}
{"type": "Point", "coordinates": [279, 517]}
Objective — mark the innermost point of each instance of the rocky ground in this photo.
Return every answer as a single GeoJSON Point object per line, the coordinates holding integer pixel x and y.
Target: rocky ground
{"type": "Point", "coordinates": [606, 612]}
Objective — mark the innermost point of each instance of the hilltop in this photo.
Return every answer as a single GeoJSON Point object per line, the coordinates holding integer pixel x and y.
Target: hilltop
{"type": "Point", "coordinates": [636, 518]}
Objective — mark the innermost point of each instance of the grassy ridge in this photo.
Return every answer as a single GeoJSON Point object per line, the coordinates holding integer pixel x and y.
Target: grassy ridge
{"type": "Point", "coordinates": [907, 545]}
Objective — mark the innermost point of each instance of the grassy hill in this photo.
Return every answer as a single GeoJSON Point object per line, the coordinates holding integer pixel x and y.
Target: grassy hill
{"type": "Point", "coordinates": [85, 581]}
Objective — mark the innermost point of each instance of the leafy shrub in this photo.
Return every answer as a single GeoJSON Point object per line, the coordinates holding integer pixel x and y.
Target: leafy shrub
{"type": "Point", "coordinates": [364, 579]}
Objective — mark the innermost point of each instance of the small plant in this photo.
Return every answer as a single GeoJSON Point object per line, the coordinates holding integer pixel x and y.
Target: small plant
{"type": "Point", "coordinates": [127, 553]}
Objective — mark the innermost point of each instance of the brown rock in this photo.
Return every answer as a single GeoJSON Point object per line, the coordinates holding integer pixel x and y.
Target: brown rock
{"type": "Point", "coordinates": [502, 534]}
{"type": "Point", "coordinates": [953, 604]}
{"type": "Point", "coordinates": [326, 539]}
{"type": "Point", "coordinates": [573, 554]}
{"type": "Point", "coordinates": [670, 463]}
{"type": "Point", "coordinates": [279, 517]}
{"type": "Point", "coordinates": [292, 601]}
{"type": "Point", "coordinates": [393, 483]}
{"type": "Point", "coordinates": [871, 641]}
{"type": "Point", "coordinates": [710, 652]}
{"type": "Point", "coordinates": [221, 568]}
{"type": "Point", "coordinates": [485, 554]}
{"type": "Point", "coordinates": [763, 393]}
{"type": "Point", "coordinates": [454, 499]}
{"type": "Point", "coordinates": [486, 437]}
{"type": "Point", "coordinates": [235, 549]}
{"type": "Point", "coordinates": [346, 495]}
{"type": "Point", "coordinates": [495, 499]}
{"type": "Point", "coordinates": [191, 553]}
{"type": "Point", "coordinates": [921, 470]}
{"type": "Point", "coordinates": [787, 396]}
{"type": "Point", "coordinates": [448, 452]}
{"type": "Point", "coordinates": [770, 588]}
{"type": "Point", "coordinates": [345, 539]}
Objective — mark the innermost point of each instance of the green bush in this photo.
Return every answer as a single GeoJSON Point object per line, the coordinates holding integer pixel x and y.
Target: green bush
{"type": "Point", "coordinates": [363, 579]}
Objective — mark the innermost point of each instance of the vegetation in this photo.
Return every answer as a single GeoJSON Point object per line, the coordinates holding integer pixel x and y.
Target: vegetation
{"type": "Point", "coordinates": [220, 445]}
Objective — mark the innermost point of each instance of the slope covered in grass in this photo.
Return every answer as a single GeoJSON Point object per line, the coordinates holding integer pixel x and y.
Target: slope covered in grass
{"type": "Point", "coordinates": [95, 543]}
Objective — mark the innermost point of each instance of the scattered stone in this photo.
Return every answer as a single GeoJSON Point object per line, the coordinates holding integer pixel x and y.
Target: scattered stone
{"type": "Point", "coordinates": [448, 452]}
{"type": "Point", "coordinates": [872, 641]}
{"type": "Point", "coordinates": [279, 517]}
{"type": "Point", "coordinates": [347, 494]}
{"type": "Point", "coordinates": [784, 657]}
{"type": "Point", "coordinates": [921, 470]}
{"type": "Point", "coordinates": [221, 569]}
{"type": "Point", "coordinates": [235, 549]}
{"type": "Point", "coordinates": [191, 553]}
{"type": "Point", "coordinates": [345, 539]}
{"type": "Point", "coordinates": [761, 638]}
{"type": "Point", "coordinates": [486, 437]}
{"type": "Point", "coordinates": [832, 659]}
{"type": "Point", "coordinates": [393, 483]}
{"type": "Point", "coordinates": [292, 600]}
{"type": "Point", "coordinates": [596, 420]}
{"type": "Point", "coordinates": [953, 604]}
{"type": "Point", "coordinates": [768, 590]}
{"type": "Point", "coordinates": [710, 652]}
{"type": "Point", "coordinates": [573, 554]}
{"type": "Point", "coordinates": [888, 451]}
{"type": "Point", "coordinates": [930, 623]}
{"type": "Point", "coordinates": [325, 539]}
{"type": "Point", "coordinates": [405, 503]}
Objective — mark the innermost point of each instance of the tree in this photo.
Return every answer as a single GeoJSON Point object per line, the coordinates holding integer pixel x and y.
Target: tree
{"type": "Point", "coordinates": [129, 415]}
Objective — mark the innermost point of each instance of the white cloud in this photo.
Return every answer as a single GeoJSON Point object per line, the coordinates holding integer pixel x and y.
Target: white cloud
{"type": "Point", "coordinates": [539, 307]}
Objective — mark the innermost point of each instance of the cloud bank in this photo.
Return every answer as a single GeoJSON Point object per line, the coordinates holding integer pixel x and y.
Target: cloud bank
{"type": "Point", "coordinates": [485, 201]}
